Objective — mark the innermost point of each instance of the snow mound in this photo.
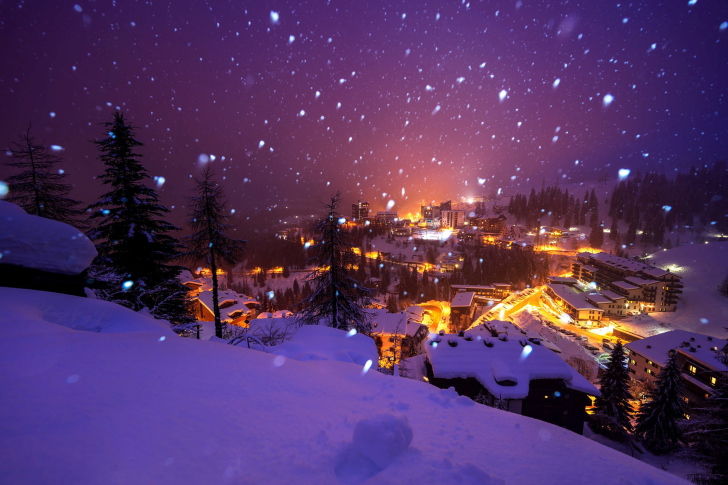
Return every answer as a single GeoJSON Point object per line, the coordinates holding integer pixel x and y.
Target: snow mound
{"type": "Point", "coordinates": [87, 408]}
{"type": "Point", "coordinates": [318, 342]}
{"type": "Point", "coordinates": [43, 244]}
{"type": "Point", "coordinates": [382, 438]}
{"type": "Point", "coordinates": [28, 311]}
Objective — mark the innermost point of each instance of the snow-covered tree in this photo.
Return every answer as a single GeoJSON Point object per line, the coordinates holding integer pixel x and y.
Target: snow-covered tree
{"type": "Point", "coordinates": [136, 250]}
{"type": "Point", "coordinates": [39, 186]}
{"type": "Point", "coordinates": [707, 434]}
{"type": "Point", "coordinates": [209, 241]}
{"type": "Point", "coordinates": [612, 409]}
{"type": "Point", "coordinates": [337, 299]}
{"type": "Point", "coordinates": [659, 418]}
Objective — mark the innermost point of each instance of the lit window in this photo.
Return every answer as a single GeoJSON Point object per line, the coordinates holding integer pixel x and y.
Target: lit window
{"type": "Point", "coordinates": [692, 369]}
{"type": "Point", "coordinates": [713, 380]}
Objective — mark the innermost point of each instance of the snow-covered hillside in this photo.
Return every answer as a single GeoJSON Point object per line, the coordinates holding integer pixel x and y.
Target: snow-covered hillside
{"type": "Point", "coordinates": [701, 308]}
{"type": "Point", "coordinates": [149, 407]}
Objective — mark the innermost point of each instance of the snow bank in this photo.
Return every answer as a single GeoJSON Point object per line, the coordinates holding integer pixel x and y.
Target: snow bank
{"type": "Point", "coordinates": [27, 311]}
{"type": "Point", "coordinates": [317, 342]}
{"type": "Point", "coordinates": [43, 244]}
{"type": "Point", "coordinates": [87, 408]}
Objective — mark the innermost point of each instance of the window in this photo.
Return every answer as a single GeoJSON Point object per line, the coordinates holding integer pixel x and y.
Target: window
{"type": "Point", "coordinates": [649, 371]}
{"type": "Point", "coordinates": [692, 369]}
{"type": "Point", "coordinates": [713, 380]}
{"type": "Point", "coordinates": [633, 362]}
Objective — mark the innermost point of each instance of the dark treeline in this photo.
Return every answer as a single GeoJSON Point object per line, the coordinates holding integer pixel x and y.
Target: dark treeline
{"type": "Point", "coordinates": [555, 206]}
{"type": "Point", "coordinates": [655, 204]}
{"type": "Point", "coordinates": [494, 264]}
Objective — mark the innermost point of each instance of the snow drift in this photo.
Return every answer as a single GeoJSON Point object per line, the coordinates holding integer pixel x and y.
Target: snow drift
{"type": "Point", "coordinates": [144, 407]}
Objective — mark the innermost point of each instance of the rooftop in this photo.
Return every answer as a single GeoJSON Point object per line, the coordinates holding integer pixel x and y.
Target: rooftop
{"type": "Point", "coordinates": [514, 363]}
{"type": "Point", "coordinates": [572, 297]}
{"type": "Point", "coordinates": [638, 281]}
{"type": "Point", "coordinates": [624, 285]}
{"type": "Point", "coordinates": [597, 298]}
{"type": "Point", "coordinates": [463, 299]}
{"type": "Point", "coordinates": [612, 295]}
{"type": "Point", "coordinates": [655, 348]}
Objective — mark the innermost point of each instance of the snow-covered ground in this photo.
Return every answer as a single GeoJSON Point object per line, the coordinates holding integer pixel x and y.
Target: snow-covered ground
{"type": "Point", "coordinates": [143, 406]}
{"type": "Point", "coordinates": [700, 308]}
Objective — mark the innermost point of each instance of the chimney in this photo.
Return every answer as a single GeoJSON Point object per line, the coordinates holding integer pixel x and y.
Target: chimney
{"type": "Point", "coordinates": [693, 349]}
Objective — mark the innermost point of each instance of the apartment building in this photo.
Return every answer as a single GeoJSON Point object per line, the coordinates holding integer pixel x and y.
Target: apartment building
{"type": "Point", "coordinates": [701, 358]}
{"type": "Point", "coordinates": [644, 287]}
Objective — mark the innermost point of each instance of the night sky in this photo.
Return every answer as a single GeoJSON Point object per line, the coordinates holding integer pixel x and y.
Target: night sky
{"type": "Point", "coordinates": [402, 101]}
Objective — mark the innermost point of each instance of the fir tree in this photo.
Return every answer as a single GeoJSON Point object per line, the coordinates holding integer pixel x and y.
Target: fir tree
{"type": "Point", "coordinates": [660, 417]}
{"type": "Point", "coordinates": [392, 304]}
{"type": "Point", "coordinates": [39, 186]}
{"type": "Point", "coordinates": [209, 241]}
{"type": "Point", "coordinates": [337, 299]}
{"type": "Point", "coordinates": [612, 408]}
{"type": "Point", "coordinates": [136, 251]}
{"type": "Point", "coordinates": [707, 434]}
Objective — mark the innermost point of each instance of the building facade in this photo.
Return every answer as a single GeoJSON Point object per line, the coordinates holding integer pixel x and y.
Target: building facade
{"type": "Point", "coordinates": [359, 211]}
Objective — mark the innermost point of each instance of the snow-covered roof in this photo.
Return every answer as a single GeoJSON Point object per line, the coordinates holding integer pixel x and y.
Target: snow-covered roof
{"type": "Point", "coordinates": [391, 323]}
{"type": "Point", "coordinates": [597, 298]}
{"type": "Point", "coordinates": [564, 280]}
{"type": "Point", "coordinates": [591, 269]}
{"type": "Point", "coordinates": [505, 369]}
{"type": "Point", "coordinates": [572, 297]}
{"type": "Point", "coordinates": [462, 299]}
{"type": "Point", "coordinates": [282, 314]}
{"type": "Point", "coordinates": [655, 348]}
{"type": "Point", "coordinates": [638, 281]}
{"type": "Point", "coordinates": [612, 295]}
{"type": "Point", "coordinates": [43, 244]}
{"type": "Point", "coordinates": [655, 272]}
{"type": "Point", "coordinates": [624, 285]}
{"type": "Point", "coordinates": [235, 304]}
{"type": "Point", "coordinates": [416, 312]}
{"type": "Point", "coordinates": [319, 342]}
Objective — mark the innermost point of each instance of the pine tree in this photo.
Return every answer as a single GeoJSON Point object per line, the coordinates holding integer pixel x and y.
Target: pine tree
{"type": "Point", "coordinates": [707, 434]}
{"type": "Point", "coordinates": [392, 304]}
{"type": "Point", "coordinates": [39, 186]}
{"type": "Point", "coordinates": [337, 300]}
{"type": "Point", "coordinates": [660, 417]}
{"type": "Point", "coordinates": [136, 251]}
{"type": "Point", "coordinates": [612, 408]}
{"type": "Point", "coordinates": [209, 241]}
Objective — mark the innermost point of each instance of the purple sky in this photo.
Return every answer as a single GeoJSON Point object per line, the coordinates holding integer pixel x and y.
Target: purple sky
{"type": "Point", "coordinates": [439, 99]}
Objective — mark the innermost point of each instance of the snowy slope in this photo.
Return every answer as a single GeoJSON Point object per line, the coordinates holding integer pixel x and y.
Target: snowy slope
{"type": "Point", "coordinates": [85, 407]}
{"type": "Point", "coordinates": [44, 244]}
{"type": "Point", "coordinates": [701, 308]}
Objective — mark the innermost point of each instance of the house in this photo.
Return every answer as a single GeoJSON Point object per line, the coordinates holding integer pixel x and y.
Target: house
{"type": "Point", "coordinates": [235, 309]}
{"type": "Point", "coordinates": [701, 358]}
{"type": "Point", "coordinates": [396, 336]}
{"type": "Point", "coordinates": [462, 309]}
{"type": "Point", "coordinates": [42, 254]}
{"type": "Point", "coordinates": [515, 374]}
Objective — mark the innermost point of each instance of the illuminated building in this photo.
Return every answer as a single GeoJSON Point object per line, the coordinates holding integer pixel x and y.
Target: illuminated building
{"type": "Point", "coordinates": [359, 211]}
{"type": "Point", "coordinates": [697, 355]}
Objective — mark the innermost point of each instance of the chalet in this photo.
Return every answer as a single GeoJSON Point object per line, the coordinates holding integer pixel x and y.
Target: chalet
{"type": "Point", "coordinates": [517, 375]}
{"type": "Point", "coordinates": [396, 336]}
{"type": "Point", "coordinates": [235, 309]}
{"type": "Point", "coordinates": [701, 358]}
{"type": "Point", "coordinates": [42, 254]}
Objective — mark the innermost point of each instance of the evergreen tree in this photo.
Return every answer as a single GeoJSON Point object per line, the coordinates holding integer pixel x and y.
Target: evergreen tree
{"type": "Point", "coordinates": [209, 241]}
{"type": "Point", "coordinates": [337, 300]}
{"type": "Point", "coordinates": [660, 417]}
{"type": "Point", "coordinates": [612, 408]}
{"type": "Point", "coordinates": [135, 250]}
{"type": "Point", "coordinates": [392, 304]}
{"type": "Point", "coordinates": [39, 186]}
{"type": "Point", "coordinates": [707, 434]}
{"type": "Point", "coordinates": [596, 237]}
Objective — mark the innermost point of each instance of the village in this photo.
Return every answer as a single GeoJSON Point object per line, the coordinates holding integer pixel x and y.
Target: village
{"type": "Point", "coordinates": [473, 337]}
